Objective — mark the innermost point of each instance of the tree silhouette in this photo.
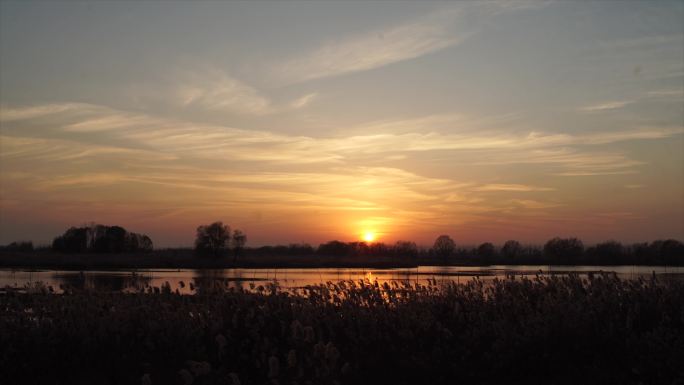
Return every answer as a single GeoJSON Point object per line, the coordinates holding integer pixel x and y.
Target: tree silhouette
{"type": "Point", "coordinates": [406, 249]}
{"type": "Point", "coordinates": [101, 239]}
{"type": "Point", "coordinates": [486, 251]}
{"type": "Point", "coordinates": [238, 241]}
{"type": "Point", "coordinates": [334, 248]}
{"type": "Point", "coordinates": [358, 248]}
{"type": "Point", "coordinates": [668, 250]}
{"type": "Point", "coordinates": [212, 239]}
{"type": "Point", "coordinates": [378, 248]}
{"type": "Point", "coordinates": [607, 252]}
{"type": "Point", "coordinates": [444, 246]}
{"type": "Point", "coordinates": [115, 237]}
{"type": "Point", "coordinates": [511, 249]}
{"type": "Point", "coordinates": [564, 249]}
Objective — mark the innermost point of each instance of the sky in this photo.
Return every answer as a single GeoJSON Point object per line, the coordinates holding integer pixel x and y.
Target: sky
{"type": "Point", "coordinates": [312, 121]}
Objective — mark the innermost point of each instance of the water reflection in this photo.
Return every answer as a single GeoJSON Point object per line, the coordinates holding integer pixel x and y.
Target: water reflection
{"type": "Point", "coordinates": [188, 281]}
{"type": "Point", "coordinates": [207, 280]}
{"type": "Point", "coordinates": [108, 281]}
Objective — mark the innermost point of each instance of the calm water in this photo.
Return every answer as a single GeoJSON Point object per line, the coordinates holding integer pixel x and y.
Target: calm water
{"type": "Point", "coordinates": [187, 280]}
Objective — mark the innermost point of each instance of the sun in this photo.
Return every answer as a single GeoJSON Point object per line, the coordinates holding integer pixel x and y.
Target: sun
{"type": "Point", "coordinates": [369, 236]}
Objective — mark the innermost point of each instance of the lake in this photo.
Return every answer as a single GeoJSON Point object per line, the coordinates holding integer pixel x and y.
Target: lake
{"type": "Point", "coordinates": [187, 280]}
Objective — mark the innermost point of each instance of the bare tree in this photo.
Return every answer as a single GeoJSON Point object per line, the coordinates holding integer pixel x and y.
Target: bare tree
{"type": "Point", "coordinates": [212, 239]}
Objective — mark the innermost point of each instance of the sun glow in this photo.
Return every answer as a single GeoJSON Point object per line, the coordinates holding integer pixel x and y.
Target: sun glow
{"type": "Point", "coordinates": [368, 236]}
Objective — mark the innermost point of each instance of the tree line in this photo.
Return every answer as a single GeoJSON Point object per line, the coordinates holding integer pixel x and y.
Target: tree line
{"type": "Point", "coordinates": [446, 250]}
{"type": "Point", "coordinates": [217, 240]}
{"type": "Point", "coordinates": [214, 239]}
{"type": "Point", "coordinates": [98, 238]}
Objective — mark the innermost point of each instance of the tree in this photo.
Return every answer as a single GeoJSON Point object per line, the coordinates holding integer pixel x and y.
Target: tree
{"type": "Point", "coordinates": [486, 251]}
{"type": "Point", "coordinates": [377, 248]}
{"type": "Point", "coordinates": [115, 238]}
{"type": "Point", "coordinates": [607, 252]}
{"type": "Point", "coordinates": [212, 239]}
{"type": "Point", "coordinates": [97, 237]}
{"type": "Point", "coordinates": [511, 249]}
{"type": "Point", "coordinates": [137, 242]}
{"type": "Point", "coordinates": [145, 243]}
{"type": "Point", "coordinates": [239, 240]}
{"type": "Point", "coordinates": [444, 246]}
{"type": "Point", "coordinates": [74, 240]}
{"type": "Point", "coordinates": [406, 249]}
{"type": "Point", "coordinates": [357, 249]}
{"type": "Point", "coordinates": [334, 249]}
{"type": "Point", "coordinates": [101, 239]}
{"type": "Point", "coordinates": [564, 249]}
{"type": "Point", "coordinates": [667, 251]}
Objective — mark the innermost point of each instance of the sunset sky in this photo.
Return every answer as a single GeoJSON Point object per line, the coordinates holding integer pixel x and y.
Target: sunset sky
{"type": "Point", "coordinates": [312, 121]}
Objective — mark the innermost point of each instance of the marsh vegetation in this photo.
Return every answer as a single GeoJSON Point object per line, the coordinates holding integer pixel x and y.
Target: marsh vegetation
{"type": "Point", "coordinates": [563, 330]}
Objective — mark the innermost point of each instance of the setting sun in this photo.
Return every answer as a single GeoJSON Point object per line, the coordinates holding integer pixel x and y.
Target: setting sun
{"type": "Point", "coordinates": [341, 191]}
{"type": "Point", "coordinates": [369, 236]}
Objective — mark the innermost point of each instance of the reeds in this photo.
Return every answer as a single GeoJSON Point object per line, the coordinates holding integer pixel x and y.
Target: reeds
{"type": "Point", "coordinates": [558, 330]}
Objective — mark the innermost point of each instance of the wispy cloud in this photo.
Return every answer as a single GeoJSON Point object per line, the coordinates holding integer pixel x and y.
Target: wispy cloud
{"type": "Point", "coordinates": [304, 100]}
{"type": "Point", "coordinates": [215, 90]}
{"type": "Point", "coordinates": [375, 49]}
{"type": "Point", "coordinates": [606, 106]}
{"type": "Point", "coordinates": [567, 161]}
{"type": "Point", "coordinates": [8, 113]}
{"type": "Point", "coordinates": [202, 141]}
{"type": "Point", "coordinates": [533, 204]}
{"type": "Point", "coordinates": [664, 95]}
{"type": "Point", "coordinates": [512, 187]}
{"type": "Point", "coordinates": [667, 94]}
{"type": "Point", "coordinates": [58, 150]}
{"type": "Point", "coordinates": [203, 87]}
{"type": "Point", "coordinates": [111, 121]}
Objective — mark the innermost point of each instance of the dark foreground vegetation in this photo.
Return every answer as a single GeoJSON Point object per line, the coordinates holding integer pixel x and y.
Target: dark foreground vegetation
{"type": "Point", "coordinates": [555, 330]}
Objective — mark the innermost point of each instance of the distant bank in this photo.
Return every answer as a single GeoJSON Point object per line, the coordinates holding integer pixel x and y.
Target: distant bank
{"type": "Point", "coordinates": [97, 246]}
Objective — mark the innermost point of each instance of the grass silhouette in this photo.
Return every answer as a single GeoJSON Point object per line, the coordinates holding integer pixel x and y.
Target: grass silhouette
{"type": "Point", "coordinates": [561, 330]}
